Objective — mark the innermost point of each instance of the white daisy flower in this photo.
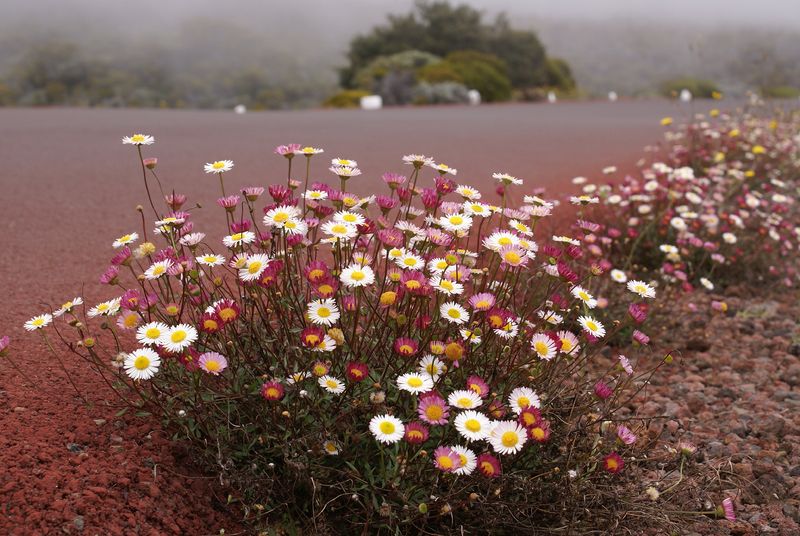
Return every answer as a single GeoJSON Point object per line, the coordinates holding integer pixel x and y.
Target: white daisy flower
{"type": "Point", "coordinates": [237, 239]}
{"type": "Point", "coordinates": [464, 399]}
{"type": "Point", "coordinates": [331, 384]}
{"type": "Point", "coordinates": [254, 267]}
{"type": "Point", "coordinates": [125, 240]}
{"type": "Point", "coordinates": [592, 326]}
{"type": "Point", "coordinates": [473, 208]}
{"type": "Point", "coordinates": [707, 283]}
{"type": "Point", "coordinates": [505, 178]}
{"type": "Point", "coordinates": [551, 317]}
{"type": "Point", "coordinates": [473, 425]}
{"type": "Point", "coordinates": [357, 275]}
{"type": "Point", "coordinates": [618, 276]}
{"type": "Point", "coordinates": [346, 216]}
{"type": "Point", "coordinates": [387, 428]}
{"type": "Point", "coordinates": [343, 162]}
{"type": "Point", "coordinates": [569, 343]}
{"type": "Point", "coordinates": [107, 308]}
{"type": "Point", "coordinates": [447, 287]}
{"type": "Point", "coordinates": [468, 460]}
{"type": "Point", "coordinates": [418, 160]}
{"type": "Point", "coordinates": [584, 296]}
{"type": "Point", "coordinates": [468, 192]}
{"type": "Point", "coordinates": [278, 216]}
{"type": "Point", "coordinates": [543, 346]}
{"type": "Point", "coordinates": [157, 269]}
{"type": "Point", "coordinates": [211, 260]}
{"type": "Point", "coordinates": [433, 366]}
{"type": "Point", "coordinates": [455, 222]}
{"type": "Point", "coordinates": [415, 383]}
{"type": "Point", "coordinates": [220, 166]}
{"type": "Point", "coordinates": [315, 195]}
{"type": "Point", "coordinates": [523, 397]}
{"type": "Point", "coordinates": [192, 239]}
{"type": "Point", "coordinates": [641, 288]}
{"type": "Point", "coordinates": [309, 151]}
{"type": "Point", "coordinates": [508, 437]}
{"type": "Point", "coordinates": [520, 227]}
{"type": "Point", "coordinates": [149, 334]}
{"type": "Point", "coordinates": [178, 338]}
{"type": "Point", "coordinates": [67, 307]}
{"type": "Point", "coordinates": [138, 139]}
{"type": "Point", "coordinates": [470, 336]}
{"type": "Point", "coordinates": [339, 230]}
{"type": "Point", "coordinates": [38, 322]}
{"type": "Point", "coordinates": [327, 344]}
{"type": "Point", "coordinates": [566, 240]}
{"type": "Point", "coordinates": [453, 312]}
{"type": "Point", "coordinates": [499, 240]}
{"type": "Point", "coordinates": [437, 265]}
{"type": "Point", "coordinates": [323, 312]}
{"type": "Point", "coordinates": [142, 364]}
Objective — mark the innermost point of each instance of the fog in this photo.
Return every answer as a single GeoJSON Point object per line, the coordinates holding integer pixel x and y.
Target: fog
{"type": "Point", "coordinates": [627, 45]}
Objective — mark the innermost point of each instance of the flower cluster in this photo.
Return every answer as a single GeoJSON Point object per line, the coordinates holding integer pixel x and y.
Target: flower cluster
{"type": "Point", "coordinates": [383, 345]}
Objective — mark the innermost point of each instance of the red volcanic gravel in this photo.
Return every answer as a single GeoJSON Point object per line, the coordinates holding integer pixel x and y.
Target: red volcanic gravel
{"type": "Point", "coordinates": [69, 188]}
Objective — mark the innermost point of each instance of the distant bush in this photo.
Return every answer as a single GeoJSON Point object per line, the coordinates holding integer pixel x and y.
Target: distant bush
{"type": "Point", "coordinates": [780, 92]}
{"type": "Point", "coordinates": [439, 72]}
{"type": "Point", "coordinates": [441, 93]}
{"type": "Point", "coordinates": [485, 72]}
{"type": "Point", "coordinates": [348, 98]}
{"type": "Point", "coordinates": [559, 75]}
{"type": "Point", "coordinates": [702, 89]}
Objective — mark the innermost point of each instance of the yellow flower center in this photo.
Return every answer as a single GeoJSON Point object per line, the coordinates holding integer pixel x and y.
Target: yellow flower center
{"type": "Point", "coordinates": [325, 289]}
{"type": "Point", "coordinates": [566, 345]}
{"type": "Point", "coordinates": [523, 402]}
{"type": "Point", "coordinates": [142, 362]}
{"type": "Point", "coordinates": [280, 217]}
{"type": "Point", "coordinates": [591, 325]}
{"type": "Point", "coordinates": [273, 392]}
{"type": "Point", "coordinates": [538, 433]}
{"type": "Point", "coordinates": [387, 427]}
{"type": "Point", "coordinates": [453, 313]}
{"type": "Point", "coordinates": [464, 402]}
{"type": "Point", "coordinates": [227, 314]}
{"type": "Point", "coordinates": [254, 267]}
{"type": "Point", "coordinates": [323, 312]}
{"type": "Point", "coordinates": [509, 439]}
{"type": "Point", "coordinates": [218, 165]}
{"type": "Point", "coordinates": [456, 220]}
{"type": "Point", "coordinates": [445, 462]}
{"type": "Point", "coordinates": [332, 384]}
{"type": "Point", "coordinates": [505, 241]}
{"type": "Point", "coordinates": [463, 459]}
{"type": "Point", "coordinates": [130, 321]}
{"type": "Point", "coordinates": [415, 382]}
{"type": "Point", "coordinates": [358, 275]}
{"type": "Point", "coordinates": [434, 413]}
{"type": "Point", "coordinates": [212, 366]}
{"type": "Point", "coordinates": [410, 261]}
{"type": "Point", "coordinates": [473, 425]}
{"type": "Point", "coordinates": [584, 296]}
{"type": "Point", "coordinates": [152, 333]}
{"type": "Point", "coordinates": [237, 236]}
{"type": "Point", "coordinates": [178, 336]}
{"type": "Point", "coordinates": [339, 229]}
{"type": "Point", "coordinates": [137, 138]}
{"type": "Point", "coordinates": [413, 284]}
{"type": "Point", "coordinates": [487, 467]}
{"type": "Point", "coordinates": [512, 257]}
{"type": "Point", "coordinates": [541, 348]}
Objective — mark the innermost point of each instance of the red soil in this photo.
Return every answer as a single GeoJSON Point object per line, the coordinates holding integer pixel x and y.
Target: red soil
{"type": "Point", "coordinates": [69, 187]}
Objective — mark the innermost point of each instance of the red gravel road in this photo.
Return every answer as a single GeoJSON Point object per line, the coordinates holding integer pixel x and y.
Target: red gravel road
{"type": "Point", "coordinates": [68, 187]}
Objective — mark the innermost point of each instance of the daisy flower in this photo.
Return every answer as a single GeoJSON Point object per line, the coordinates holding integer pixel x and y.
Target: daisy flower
{"type": "Point", "coordinates": [278, 216]}
{"type": "Point", "coordinates": [128, 320]}
{"type": "Point", "coordinates": [641, 288]}
{"type": "Point", "coordinates": [220, 166]}
{"type": "Point", "coordinates": [625, 363]}
{"type": "Point", "coordinates": [508, 437]}
{"type": "Point", "coordinates": [513, 256]}
{"type": "Point", "coordinates": [488, 465]}
{"type": "Point", "coordinates": [237, 239]}
{"type": "Point", "coordinates": [124, 240]}
{"type": "Point", "coordinates": [157, 269]}
{"type": "Point", "coordinates": [455, 222]}
{"type": "Point", "coordinates": [67, 307]}
{"type": "Point", "coordinates": [211, 260]}
{"type": "Point", "coordinates": [212, 362]}
{"type": "Point", "coordinates": [296, 227]}
{"type": "Point", "coordinates": [38, 322]}
{"type": "Point", "coordinates": [416, 433]}
{"type": "Point", "coordinates": [468, 192]}
{"type": "Point", "coordinates": [500, 239]}
{"type": "Point", "coordinates": [324, 312]}
{"type": "Point", "coordinates": [357, 275]}
{"type": "Point", "coordinates": [446, 459]}
{"type": "Point", "coordinates": [417, 160]}
{"type": "Point", "coordinates": [192, 239]}
{"type": "Point", "coordinates": [150, 333]}
{"type": "Point", "coordinates": [315, 195]}
{"type": "Point", "coordinates": [345, 172]}
{"type": "Point", "coordinates": [619, 276]}
{"type": "Point", "coordinates": [331, 384]}
{"type": "Point", "coordinates": [432, 365]}
{"type": "Point", "coordinates": [346, 216]}
{"type": "Point", "coordinates": [467, 458]}
{"type": "Point", "coordinates": [107, 308]}
{"type": "Point", "coordinates": [473, 208]}
{"type": "Point", "coordinates": [506, 179]}
{"type": "Point", "coordinates": [569, 342]}
{"type": "Point", "coordinates": [592, 326]}
{"type": "Point", "coordinates": [409, 261]}
{"type": "Point", "coordinates": [543, 346]}
{"type": "Point", "coordinates": [343, 162]}
{"type": "Point", "coordinates": [520, 227]}
{"type": "Point", "coordinates": [415, 383]}
{"type": "Point", "coordinates": [581, 294]}
{"type": "Point", "coordinates": [307, 151]}
{"type": "Point", "coordinates": [446, 286]}
{"type": "Point", "coordinates": [453, 312]}
{"type": "Point", "coordinates": [473, 425]}
{"type": "Point", "coordinates": [613, 463]}
{"type": "Point", "coordinates": [386, 428]}
{"type": "Point", "coordinates": [254, 267]}
{"type": "Point", "coordinates": [178, 338]}
{"type": "Point", "coordinates": [339, 230]}
{"type": "Point", "coordinates": [142, 364]}
{"type": "Point", "coordinates": [433, 409]}
{"type": "Point", "coordinates": [138, 139]}
{"type": "Point", "coordinates": [464, 399]}
{"type": "Point", "coordinates": [566, 240]}
{"type": "Point", "coordinates": [523, 397]}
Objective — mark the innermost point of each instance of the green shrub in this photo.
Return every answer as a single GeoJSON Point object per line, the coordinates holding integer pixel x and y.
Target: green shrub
{"type": "Point", "coordinates": [780, 92]}
{"type": "Point", "coordinates": [703, 89]}
{"type": "Point", "coordinates": [485, 72]}
{"type": "Point", "coordinates": [349, 98]}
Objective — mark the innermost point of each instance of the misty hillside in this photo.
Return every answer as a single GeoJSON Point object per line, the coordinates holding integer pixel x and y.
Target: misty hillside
{"type": "Point", "coordinates": [294, 49]}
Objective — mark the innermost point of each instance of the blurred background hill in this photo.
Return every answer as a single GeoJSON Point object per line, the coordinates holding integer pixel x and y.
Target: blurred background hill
{"type": "Point", "coordinates": [210, 54]}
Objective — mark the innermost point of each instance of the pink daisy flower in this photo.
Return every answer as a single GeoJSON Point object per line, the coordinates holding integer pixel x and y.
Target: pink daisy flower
{"type": "Point", "coordinates": [489, 465]}
{"type": "Point", "coordinates": [433, 409]}
{"type": "Point", "coordinates": [446, 459]}
{"type": "Point", "coordinates": [212, 362]}
{"type": "Point", "coordinates": [483, 301]}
